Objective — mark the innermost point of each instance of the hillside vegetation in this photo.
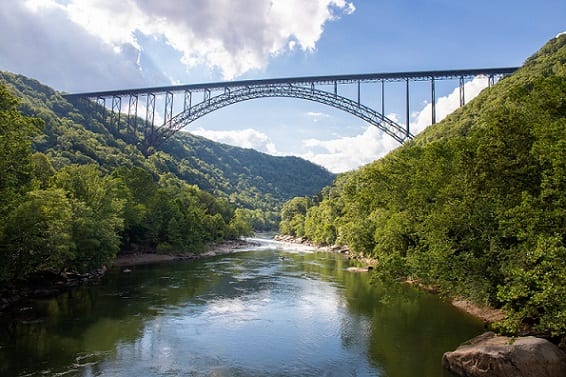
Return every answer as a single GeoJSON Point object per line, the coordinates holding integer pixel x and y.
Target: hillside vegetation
{"type": "Point", "coordinates": [245, 178]}
{"type": "Point", "coordinates": [474, 205]}
{"type": "Point", "coordinates": [74, 193]}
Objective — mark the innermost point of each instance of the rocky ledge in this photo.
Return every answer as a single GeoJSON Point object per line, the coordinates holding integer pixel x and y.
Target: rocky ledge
{"type": "Point", "coordinates": [500, 356]}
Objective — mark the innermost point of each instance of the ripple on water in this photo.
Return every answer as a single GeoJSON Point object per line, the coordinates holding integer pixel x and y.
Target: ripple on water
{"type": "Point", "coordinates": [243, 314]}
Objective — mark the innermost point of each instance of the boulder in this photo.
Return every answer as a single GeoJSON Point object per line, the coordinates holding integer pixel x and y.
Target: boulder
{"type": "Point", "coordinates": [501, 356]}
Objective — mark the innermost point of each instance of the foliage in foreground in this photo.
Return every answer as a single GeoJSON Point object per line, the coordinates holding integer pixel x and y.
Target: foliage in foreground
{"type": "Point", "coordinates": [78, 217]}
{"type": "Point", "coordinates": [475, 204]}
{"type": "Point", "coordinates": [78, 133]}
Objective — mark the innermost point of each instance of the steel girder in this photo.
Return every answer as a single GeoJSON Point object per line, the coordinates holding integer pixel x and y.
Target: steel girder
{"type": "Point", "coordinates": [226, 98]}
{"type": "Point", "coordinates": [334, 80]}
{"type": "Point", "coordinates": [296, 87]}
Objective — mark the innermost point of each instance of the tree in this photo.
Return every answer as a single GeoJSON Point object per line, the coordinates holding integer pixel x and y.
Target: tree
{"type": "Point", "coordinates": [293, 214]}
{"type": "Point", "coordinates": [37, 235]}
{"type": "Point", "coordinates": [534, 292]}
{"type": "Point", "coordinates": [16, 132]}
{"type": "Point", "coordinates": [42, 170]}
{"type": "Point", "coordinates": [97, 214]}
{"type": "Point", "coordinates": [240, 224]}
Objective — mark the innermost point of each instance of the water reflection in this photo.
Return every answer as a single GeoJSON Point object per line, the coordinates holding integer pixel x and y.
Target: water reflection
{"type": "Point", "coordinates": [245, 314]}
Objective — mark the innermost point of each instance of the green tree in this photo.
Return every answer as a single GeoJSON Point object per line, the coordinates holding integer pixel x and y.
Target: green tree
{"type": "Point", "coordinates": [97, 214]}
{"type": "Point", "coordinates": [16, 132]}
{"type": "Point", "coordinates": [37, 235]}
{"type": "Point", "coordinates": [293, 214]}
{"type": "Point", "coordinates": [137, 189]}
{"type": "Point", "coordinates": [240, 224]}
{"type": "Point", "coordinates": [534, 292]}
{"type": "Point", "coordinates": [42, 170]}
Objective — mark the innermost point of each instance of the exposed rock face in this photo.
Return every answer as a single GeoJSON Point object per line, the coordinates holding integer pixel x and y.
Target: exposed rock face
{"type": "Point", "coordinates": [500, 356]}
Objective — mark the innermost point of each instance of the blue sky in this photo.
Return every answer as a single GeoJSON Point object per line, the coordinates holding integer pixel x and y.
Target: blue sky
{"type": "Point", "coordinates": [87, 45]}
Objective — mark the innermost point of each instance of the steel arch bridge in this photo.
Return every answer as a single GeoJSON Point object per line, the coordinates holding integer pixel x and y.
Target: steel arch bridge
{"type": "Point", "coordinates": [221, 94]}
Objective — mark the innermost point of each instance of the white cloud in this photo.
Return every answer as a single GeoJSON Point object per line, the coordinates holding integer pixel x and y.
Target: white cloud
{"type": "Point", "coordinates": [247, 138]}
{"type": "Point", "coordinates": [347, 153]}
{"type": "Point", "coordinates": [317, 116]}
{"type": "Point", "coordinates": [37, 39]}
{"type": "Point", "coordinates": [218, 34]}
{"type": "Point", "coordinates": [446, 105]}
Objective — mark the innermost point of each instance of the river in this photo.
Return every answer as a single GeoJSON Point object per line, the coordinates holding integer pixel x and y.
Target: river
{"type": "Point", "coordinates": [273, 310]}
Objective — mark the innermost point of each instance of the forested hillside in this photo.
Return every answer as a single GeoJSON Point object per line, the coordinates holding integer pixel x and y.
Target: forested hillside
{"type": "Point", "coordinates": [77, 217]}
{"type": "Point", "coordinates": [245, 178]}
{"type": "Point", "coordinates": [474, 205]}
{"type": "Point", "coordinates": [73, 194]}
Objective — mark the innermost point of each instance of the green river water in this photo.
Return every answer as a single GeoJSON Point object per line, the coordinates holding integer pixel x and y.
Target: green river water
{"type": "Point", "coordinates": [273, 310]}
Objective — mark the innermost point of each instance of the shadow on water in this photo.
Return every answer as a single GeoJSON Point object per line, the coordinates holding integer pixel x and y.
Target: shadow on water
{"type": "Point", "coordinates": [270, 311]}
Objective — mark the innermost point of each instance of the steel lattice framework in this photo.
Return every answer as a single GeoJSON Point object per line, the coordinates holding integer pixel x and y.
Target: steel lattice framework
{"type": "Point", "coordinates": [371, 116]}
{"type": "Point", "coordinates": [221, 94]}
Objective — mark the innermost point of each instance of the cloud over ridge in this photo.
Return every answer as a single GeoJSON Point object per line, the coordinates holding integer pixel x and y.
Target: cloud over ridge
{"type": "Point", "coordinates": [232, 37]}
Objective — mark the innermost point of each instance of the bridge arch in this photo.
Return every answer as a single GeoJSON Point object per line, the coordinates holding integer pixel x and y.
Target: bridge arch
{"type": "Point", "coordinates": [231, 92]}
{"type": "Point", "coordinates": [190, 114]}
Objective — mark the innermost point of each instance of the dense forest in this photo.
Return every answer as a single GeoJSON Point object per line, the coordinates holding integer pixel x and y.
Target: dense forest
{"type": "Point", "coordinates": [78, 217]}
{"type": "Point", "coordinates": [475, 205]}
{"type": "Point", "coordinates": [74, 133]}
{"type": "Point", "coordinates": [74, 193]}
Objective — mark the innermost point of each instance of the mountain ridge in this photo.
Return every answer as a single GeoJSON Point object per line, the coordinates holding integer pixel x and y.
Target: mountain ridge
{"type": "Point", "coordinates": [244, 177]}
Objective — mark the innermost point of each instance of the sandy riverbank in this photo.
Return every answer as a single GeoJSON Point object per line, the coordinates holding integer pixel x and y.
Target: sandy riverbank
{"type": "Point", "coordinates": [486, 314]}
{"type": "Point", "coordinates": [225, 247]}
{"type": "Point", "coordinates": [49, 284]}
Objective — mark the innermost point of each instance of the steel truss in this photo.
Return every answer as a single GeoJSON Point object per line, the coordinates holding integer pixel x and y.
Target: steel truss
{"type": "Point", "coordinates": [227, 98]}
{"type": "Point", "coordinates": [221, 94]}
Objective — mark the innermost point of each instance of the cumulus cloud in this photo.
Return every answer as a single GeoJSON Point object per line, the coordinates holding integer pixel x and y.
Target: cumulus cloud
{"type": "Point", "coordinates": [348, 153]}
{"type": "Point", "coordinates": [38, 40]}
{"type": "Point", "coordinates": [447, 104]}
{"type": "Point", "coordinates": [317, 116]}
{"type": "Point", "coordinates": [247, 138]}
{"type": "Point", "coordinates": [222, 35]}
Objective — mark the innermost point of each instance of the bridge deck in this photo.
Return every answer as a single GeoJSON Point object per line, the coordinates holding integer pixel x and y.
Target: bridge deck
{"type": "Point", "coordinates": [310, 80]}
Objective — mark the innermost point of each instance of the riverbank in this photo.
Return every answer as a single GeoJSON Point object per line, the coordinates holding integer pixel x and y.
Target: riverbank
{"type": "Point", "coordinates": [49, 284]}
{"type": "Point", "coordinates": [220, 248]}
{"type": "Point", "coordinates": [486, 314]}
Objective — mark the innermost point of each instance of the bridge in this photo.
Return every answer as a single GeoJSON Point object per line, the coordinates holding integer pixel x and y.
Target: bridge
{"type": "Point", "coordinates": [123, 110]}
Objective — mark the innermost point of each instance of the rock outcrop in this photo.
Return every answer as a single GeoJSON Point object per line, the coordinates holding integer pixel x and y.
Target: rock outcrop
{"type": "Point", "coordinates": [500, 356]}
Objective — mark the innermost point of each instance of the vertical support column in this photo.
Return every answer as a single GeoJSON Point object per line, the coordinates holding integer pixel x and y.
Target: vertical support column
{"type": "Point", "coordinates": [312, 87]}
{"type": "Point", "coordinates": [383, 97]}
{"type": "Point", "coordinates": [187, 104]}
{"type": "Point", "coordinates": [358, 93]}
{"type": "Point", "coordinates": [408, 114]}
{"type": "Point", "coordinates": [206, 97]}
{"type": "Point", "coordinates": [116, 111]}
{"type": "Point", "coordinates": [490, 81]}
{"type": "Point", "coordinates": [101, 108]}
{"type": "Point", "coordinates": [168, 113]}
{"type": "Point", "coordinates": [433, 99]}
{"type": "Point", "coordinates": [462, 96]}
{"type": "Point", "coordinates": [149, 119]}
{"type": "Point", "coordinates": [335, 88]}
{"type": "Point", "coordinates": [133, 113]}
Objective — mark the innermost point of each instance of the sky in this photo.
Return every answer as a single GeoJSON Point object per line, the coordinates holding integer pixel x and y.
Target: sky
{"type": "Point", "coordinates": [90, 45]}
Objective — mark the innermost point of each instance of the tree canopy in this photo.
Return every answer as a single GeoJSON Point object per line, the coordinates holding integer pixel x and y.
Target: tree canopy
{"type": "Point", "coordinates": [475, 204]}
